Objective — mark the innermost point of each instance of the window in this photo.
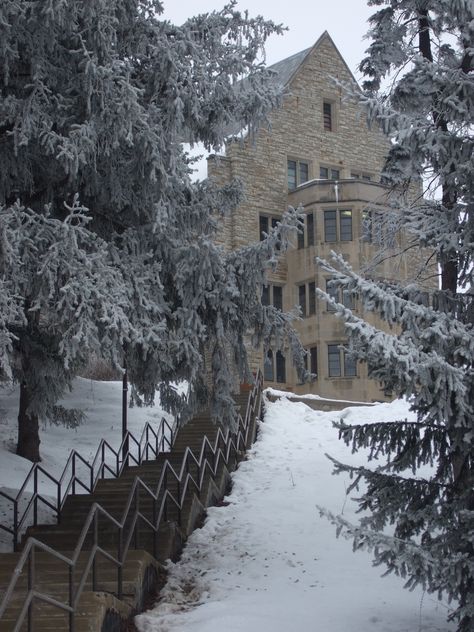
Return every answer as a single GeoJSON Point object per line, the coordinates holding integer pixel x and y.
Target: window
{"type": "Point", "coordinates": [312, 298]}
{"type": "Point", "coordinates": [306, 232]}
{"type": "Point", "coordinates": [340, 363]}
{"type": "Point", "coordinates": [361, 176]}
{"type": "Point", "coordinates": [366, 226]}
{"type": "Point", "coordinates": [333, 292]}
{"type": "Point", "coordinates": [310, 228]}
{"type": "Point", "coordinates": [346, 297]}
{"type": "Point", "coordinates": [277, 296]}
{"type": "Point", "coordinates": [329, 173]}
{"type": "Point", "coordinates": [307, 298]}
{"type": "Point", "coordinates": [280, 367]}
{"type": "Point", "coordinates": [302, 298]}
{"type": "Point", "coordinates": [301, 232]}
{"type": "Point", "coordinates": [327, 116]}
{"type": "Point", "coordinates": [334, 361]}
{"type": "Point", "coordinates": [266, 223]}
{"type": "Point", "coordinates": [313, 361]}
{"type": "Point", "coordinates": [350, 367]}
{"type": "Point", "coordinates": [268, 374]}
{"type": "Point", "coordinates": [272, 295]}
{"type": "Point", "coordinates": [331, 228]}
{"type": "Point", "coordinates": [345, 218]}
{"type": "Point", "coordinates": [380, 228]}
{"type": "Point", "coordinates": [274, 367]}
{"type": "Point", "coordinates": [297, 173]}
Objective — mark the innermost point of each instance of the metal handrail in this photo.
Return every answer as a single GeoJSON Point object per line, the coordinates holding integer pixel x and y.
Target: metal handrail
{"type": "Point", "coordinates": [107, 461]}
{"type": "Point", "coordinates": [130, 517]}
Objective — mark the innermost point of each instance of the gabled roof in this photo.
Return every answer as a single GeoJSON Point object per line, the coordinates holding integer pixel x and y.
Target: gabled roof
{"type": "Point", "coordinates": [287, 68]}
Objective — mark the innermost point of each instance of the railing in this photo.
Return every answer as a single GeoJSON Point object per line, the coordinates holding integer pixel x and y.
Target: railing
{"type": "Point", "coordinates": [189, 480]}
{"type": "Point", "coordinates": [80, 476]}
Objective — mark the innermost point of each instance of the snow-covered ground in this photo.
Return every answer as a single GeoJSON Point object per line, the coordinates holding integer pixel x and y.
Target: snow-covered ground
{"type": "Point", "coordinates": [267, 562]}
{"type": "Point", "coordinates": [100, 402]}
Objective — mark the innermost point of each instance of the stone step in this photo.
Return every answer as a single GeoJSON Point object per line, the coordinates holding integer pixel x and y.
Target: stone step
{"type": "Point", "coordinates": [51, 577]}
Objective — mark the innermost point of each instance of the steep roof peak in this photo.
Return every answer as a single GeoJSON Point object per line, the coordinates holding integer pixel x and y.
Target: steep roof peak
{"type": "Point", "coordinates": [287, 68]}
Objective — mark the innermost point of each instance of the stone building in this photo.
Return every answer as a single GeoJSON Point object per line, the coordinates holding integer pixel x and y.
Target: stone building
{"type": "Point", "coordinates": [319, 153]}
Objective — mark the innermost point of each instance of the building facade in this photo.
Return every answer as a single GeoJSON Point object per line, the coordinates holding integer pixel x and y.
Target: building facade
{"type": "Point", "coordinates": [320, 154]}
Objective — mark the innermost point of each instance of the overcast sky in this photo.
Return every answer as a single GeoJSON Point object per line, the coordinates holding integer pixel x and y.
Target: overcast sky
{"type": "Point", "coordinates": [345, 20]}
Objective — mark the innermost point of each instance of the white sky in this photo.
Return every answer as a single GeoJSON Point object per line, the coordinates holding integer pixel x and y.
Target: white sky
{"type": "Point", "coordinates": [345, 20]}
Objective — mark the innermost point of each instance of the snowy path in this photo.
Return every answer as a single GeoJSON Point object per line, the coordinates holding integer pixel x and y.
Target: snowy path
{"type": "Point", "coordinates": [269, 562]}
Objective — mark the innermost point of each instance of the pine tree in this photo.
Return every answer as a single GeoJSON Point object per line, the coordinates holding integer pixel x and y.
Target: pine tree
{"type": "Point", "coordinates": [105, 243]}
{"type": "Point", "coordinates": [419, 504]}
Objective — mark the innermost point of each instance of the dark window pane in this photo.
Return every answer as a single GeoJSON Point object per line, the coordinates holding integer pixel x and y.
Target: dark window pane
{"type": "Point", "coordinates": [327, 116]}
{"type": "Point", "coordinates": [366, 177]}
{"type": "Point", "coordinates": [268, 367]}
{"type": "Point", "coordinates": [347, 299]}
{"type": "Point", "coordinates": [310, 228]}
{"type": "Point", "coordinates": [275, 221]}
{"type": "Point", "coordinates": [278, 296]}
{"type": "Point", "coordinates": [334, 361]}
{"type": "Point", "coordinates": [304, 172]}
{"type": "Point", "coordinates": [323, 173]}
{"type": "Point", "coordinates": [312, 298]}
{"type": "Point", "coordinates": [291, 174]}
{"type": "Point", "coordinates": [350, 368]}
{"type": "Point", "coordinates": [333, 292]}
{"type": "Point", "coordinates": [367, 226]}
{"type": "Point", "coordinates": [330, 233]}
{"type": "Point", "coordinates": [265, 295]}
{"type": "Point", "coordinates": [280, 367]}
{"type": "Point", "coordinates": [313, 357]}
{"type": "Point", "coordinates": [302, 298]}
{"type": "Point", "coordinates": [346, 225]}
{"type": "Point", "coordinates": [301, 237]}
{"type": "Point", "coordinates": [263, 227]}
{"type": "Point", "coordinates": [335, 174]}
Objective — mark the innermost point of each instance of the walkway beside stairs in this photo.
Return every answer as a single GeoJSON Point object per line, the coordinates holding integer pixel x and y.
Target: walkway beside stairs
{"type": "Point", "coordinates": [195, 470]}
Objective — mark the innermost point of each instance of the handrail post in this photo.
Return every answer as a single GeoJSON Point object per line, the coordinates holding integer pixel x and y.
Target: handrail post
{"type": "Point", "coordinates": [120, 566]}
{"type": "Point", "coordinates": [155, 528]}
{"type": "Point", "coordinates": [137, 510]}
{"type": "Point", "coordinates": [31, 582]}
{"type": "Point", "coordinates": [58, 502]}
{"type": "Point", "coordinates": [124, 413]}
{"type": "Point", "coordinates": [74, 473]}
{"type": "Point", "coordinates": [15, 525]}
{"type": "Point", "coordinates": [71, 598]}
{"type": "Point", "coordinates": [35, 498]}
{"type": "Point", "coordinates": [96, 543]}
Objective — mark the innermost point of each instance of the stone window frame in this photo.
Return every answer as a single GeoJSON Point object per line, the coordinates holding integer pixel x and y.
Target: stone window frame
{"type": "Point", "coordinates": [364, 176]}
{"type": "Point", "coordinates": [298, 163]}
{"type": "Point", "coordinates": [271, 220]}
{"type": "Point", "coordinates": [338, 225]}
{"type": "Point", "coordinates": [308, 305]}
{"type": "Point", "coordinates": [345, 367]}
{"type": "Point", "coordinates": [274, 367]}
{"type": "Point", "coordinates": [307, 233]}
{"type": "Point", "coordinates": [345, 297]}
{"type": "Point", "coordinates": [332, 170]}
{"type": "Point", "coordinates": [269, 290]}
{"type": "Point", "coordinates": [329, 115]}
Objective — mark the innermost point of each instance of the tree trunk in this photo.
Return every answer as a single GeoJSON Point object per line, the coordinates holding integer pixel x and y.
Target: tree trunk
{"type": "Point", "coordinates": [28, 429]}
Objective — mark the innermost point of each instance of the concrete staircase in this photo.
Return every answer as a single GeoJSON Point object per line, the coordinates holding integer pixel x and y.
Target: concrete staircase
{"type": "Point", "coordinates": [111, 594]}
